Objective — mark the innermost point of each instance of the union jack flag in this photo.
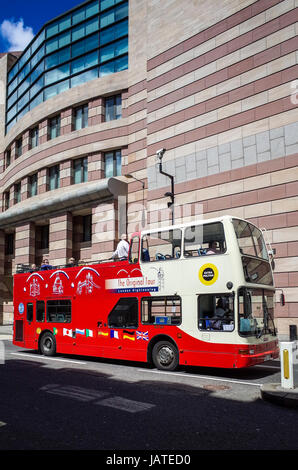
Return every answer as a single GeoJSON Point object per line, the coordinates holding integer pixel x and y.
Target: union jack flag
{"type": "Point", "coordinates": [142, 335]}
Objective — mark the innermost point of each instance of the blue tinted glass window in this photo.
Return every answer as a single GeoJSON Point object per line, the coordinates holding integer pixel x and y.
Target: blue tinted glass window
{"type": "Point", "coordinates": [121, 47]}
{"type": "Point", "coordinates": [12, 86]}
{"type": "Point", "coordinates": [23, 101]}
{"type": "Point", "coordinates": [107, 69]}
{"type": "Point", "coordinates": [121, 64]}
{"type": "Point", "coordinates": [92, 9]}
{"type": "Point", "coordinates": [121, 12]}
{"type": "Point", "coordinates": [104, 4]}
{"type": "Point", "coordinates": [84, 77]}
{"type": "Point", "coordinates": [78, 32]}
{"type": "Point", "coordinates": [63, 86]}
{"type": "Point", "coordinates": [78, 48]}
{"type": "Point", "coordinates": [64, 39]}
{"type": "Point", "coordinates": [12, 99]}
{"type": "Point", "coordinates": [36, 87]}
{"type": "Point", "coordinates": [11, 113]}
{"type": "Point", "coordinates": [107, 53]}
{"type": "Point", "coordinates": [113, 50]}
{"type": "Point", "coordinates": [91, 42]}
{"type": "Point", "coordinates": [23, 87]}
{"type": "Point", "coordinates": [56, 89]}
{"type": "Point", "coordinates": [85, 45]}
{"type": "Point", "coordinates": [51, 45]}
{"type": "Point", "coordinates": [107, 18]}
{"type": "Point", "coordinates": [78, 65]}
{"type": "Point", "coordinates": [91, 59]}
{"type": "Point", "coordinates": [78, 16]}
{"type": "Point", "coordinates": [65, 23]}
{"type": "Point", "coordinates": [57, 74]}
{"type": "Point", "coordinates": [58, 58]}
{"type": "Point", "coordinates": [38, 99]}
{"type": "Point", "coordinates": [37, 57]}
{"type": "Point", "coordinates": [114, 32]}
{"type": "Point", "coordinates": [37, 71]}
{"type": "Point", "coordinates": [52, 29]}
{"type": "Point", "coordinates": [92, 26]}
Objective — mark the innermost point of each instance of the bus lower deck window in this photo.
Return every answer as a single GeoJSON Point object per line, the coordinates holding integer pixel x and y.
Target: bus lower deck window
{"type": "Point", "coordinates": [216, 312]}
{"type": "Point", "coordinates": [59, 311]}
{"type": "Point", "coordinates": [161, 310]}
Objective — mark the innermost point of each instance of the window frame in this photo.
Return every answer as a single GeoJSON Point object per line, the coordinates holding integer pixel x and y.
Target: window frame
{"type": "Point", "coordinates": [116, 161]}
{"type": "Point", "coordinates": [84, 117]}
{"type": "Point", "coordinates": [124, 326]}
{"type": "Point", "coordinates": [87, 231]}
{"type": "Point", "coordinates": [55, 182]}
{"type": "Point", "coordinates": [203, 251]}
{"type": "Point", "coordinates": [111, 109]}
{"type": "Point", "coordinates": [54, 124]}
{"type": "Point", "coordinates": [58, 304]}
{"type": "Point", "coordinates": [215, 328]}
{"type": "Point", "coordinates": [37, 311]}
{"type": "Point", "coordinates": [29, 311]}
{"type": "Point", "coordinates": [151, 300]}
{"type": "Point", "coordinates": [32, 183]}
{"type": "Point", "coordinates": [34, 137]}
{"type": "Point", "coordinates": [163, 257]}
{"type": "Point", "coordinates": [82, 170]}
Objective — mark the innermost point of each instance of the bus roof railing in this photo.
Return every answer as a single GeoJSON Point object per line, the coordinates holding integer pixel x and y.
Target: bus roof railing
{"type": "Point", "coordinates": [26, 268]}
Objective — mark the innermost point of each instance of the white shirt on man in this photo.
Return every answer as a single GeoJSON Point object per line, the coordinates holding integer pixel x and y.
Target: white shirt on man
{"type": "Point", "coordinates": [122, 249]}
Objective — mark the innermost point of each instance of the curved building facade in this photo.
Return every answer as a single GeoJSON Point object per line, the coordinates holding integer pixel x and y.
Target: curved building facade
{"type": "Point", "coordinates": [102, 87]}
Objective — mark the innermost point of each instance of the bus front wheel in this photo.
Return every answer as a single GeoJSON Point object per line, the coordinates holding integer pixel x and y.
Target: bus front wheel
{"type": "Point", "coordinates": [47, 344]}
{"type": "Point", "coordinates": [165, 355]}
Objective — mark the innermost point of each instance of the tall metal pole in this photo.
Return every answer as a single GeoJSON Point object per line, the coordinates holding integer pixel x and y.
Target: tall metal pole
{"type": "Point", "coordinates": [168, 194]}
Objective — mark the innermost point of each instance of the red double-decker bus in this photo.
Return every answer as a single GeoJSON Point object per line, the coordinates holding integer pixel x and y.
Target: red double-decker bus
{"type": "Point", "coordinates": [194, 294]}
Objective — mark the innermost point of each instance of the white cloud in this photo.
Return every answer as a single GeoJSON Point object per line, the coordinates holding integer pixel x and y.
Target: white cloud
{"type": "Point", "coordinates": [16, 34]}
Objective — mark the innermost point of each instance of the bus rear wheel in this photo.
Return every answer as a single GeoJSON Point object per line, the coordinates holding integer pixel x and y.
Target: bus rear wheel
{"type": "Point", "coordinates": [165, 355]}
{"type": "Point", "coordinates": [47, 344]}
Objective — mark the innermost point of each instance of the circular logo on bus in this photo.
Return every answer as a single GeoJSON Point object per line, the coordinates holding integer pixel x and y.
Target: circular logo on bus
{"type": "Point", "coordinates": [208, 274]}
{"type": "Point", "coordinates": [21, 308]}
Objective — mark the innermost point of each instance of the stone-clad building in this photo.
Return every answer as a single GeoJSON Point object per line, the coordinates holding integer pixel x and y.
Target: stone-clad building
{"type": "Point", "coordinates": [102, 87]}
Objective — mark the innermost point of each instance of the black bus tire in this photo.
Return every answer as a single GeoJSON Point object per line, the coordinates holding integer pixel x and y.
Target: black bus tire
{"type": "Point", "coordinates": [165, 355]}
{"type": "Point", "coordinates": [47, 344]}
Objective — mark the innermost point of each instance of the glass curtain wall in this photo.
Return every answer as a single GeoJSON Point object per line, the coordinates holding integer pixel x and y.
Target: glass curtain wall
{"type": "Point", "coordinates": [88, 42]}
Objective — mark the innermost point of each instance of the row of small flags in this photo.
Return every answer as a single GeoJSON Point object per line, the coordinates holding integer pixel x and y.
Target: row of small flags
{"type": "Point", "coordinates": [131, 335]}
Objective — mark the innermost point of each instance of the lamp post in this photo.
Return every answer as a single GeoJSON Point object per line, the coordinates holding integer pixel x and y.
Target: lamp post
{"type": "Point", "coordinates": [171, 195]}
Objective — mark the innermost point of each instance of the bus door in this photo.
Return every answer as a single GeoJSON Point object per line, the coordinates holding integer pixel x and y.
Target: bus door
{"type": "Point", "coordinates": [120, 339]}
{"type": "Point", "coordinates": [30, 328]}
{"type": "Point", "coordinates": [85, 327]}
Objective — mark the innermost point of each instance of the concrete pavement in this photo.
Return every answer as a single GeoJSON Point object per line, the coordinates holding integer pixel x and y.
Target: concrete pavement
{"type": "Point", "coordinates": [272, 392]}
{"type": "Point", "coordinates": [6, 332]}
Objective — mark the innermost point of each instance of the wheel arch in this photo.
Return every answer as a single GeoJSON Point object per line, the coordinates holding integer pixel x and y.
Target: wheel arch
{"type": "Point", "coordinates": [42, 334]}
{"type": "Point", "coordinates": [156, 339]}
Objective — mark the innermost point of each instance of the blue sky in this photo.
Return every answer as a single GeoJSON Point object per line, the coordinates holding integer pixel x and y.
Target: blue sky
{"type": "Point", "coordinates": [20, 20]}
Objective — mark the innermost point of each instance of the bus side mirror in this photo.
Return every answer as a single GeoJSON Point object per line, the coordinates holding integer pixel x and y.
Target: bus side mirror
{"type": "Point", "coordinates": [282, 300]}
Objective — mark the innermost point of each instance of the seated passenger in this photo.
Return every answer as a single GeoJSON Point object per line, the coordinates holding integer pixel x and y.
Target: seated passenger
{"type": "Point", "coordinates": [33, 268]}
{"type": "Point", "coordinates": [145, 255]}
{"type": "Point", "coordinates": [45, 265]}
{"type": "Point", "coordinates": [212, 250]}
{"type": "Point", "coordinates": [220, 311]}
{"type": "Point", "coordinates": [71, 263]}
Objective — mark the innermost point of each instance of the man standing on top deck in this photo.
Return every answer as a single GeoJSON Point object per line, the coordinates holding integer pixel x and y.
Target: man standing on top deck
{"type": "Point", "coordinates": [122, 248]}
